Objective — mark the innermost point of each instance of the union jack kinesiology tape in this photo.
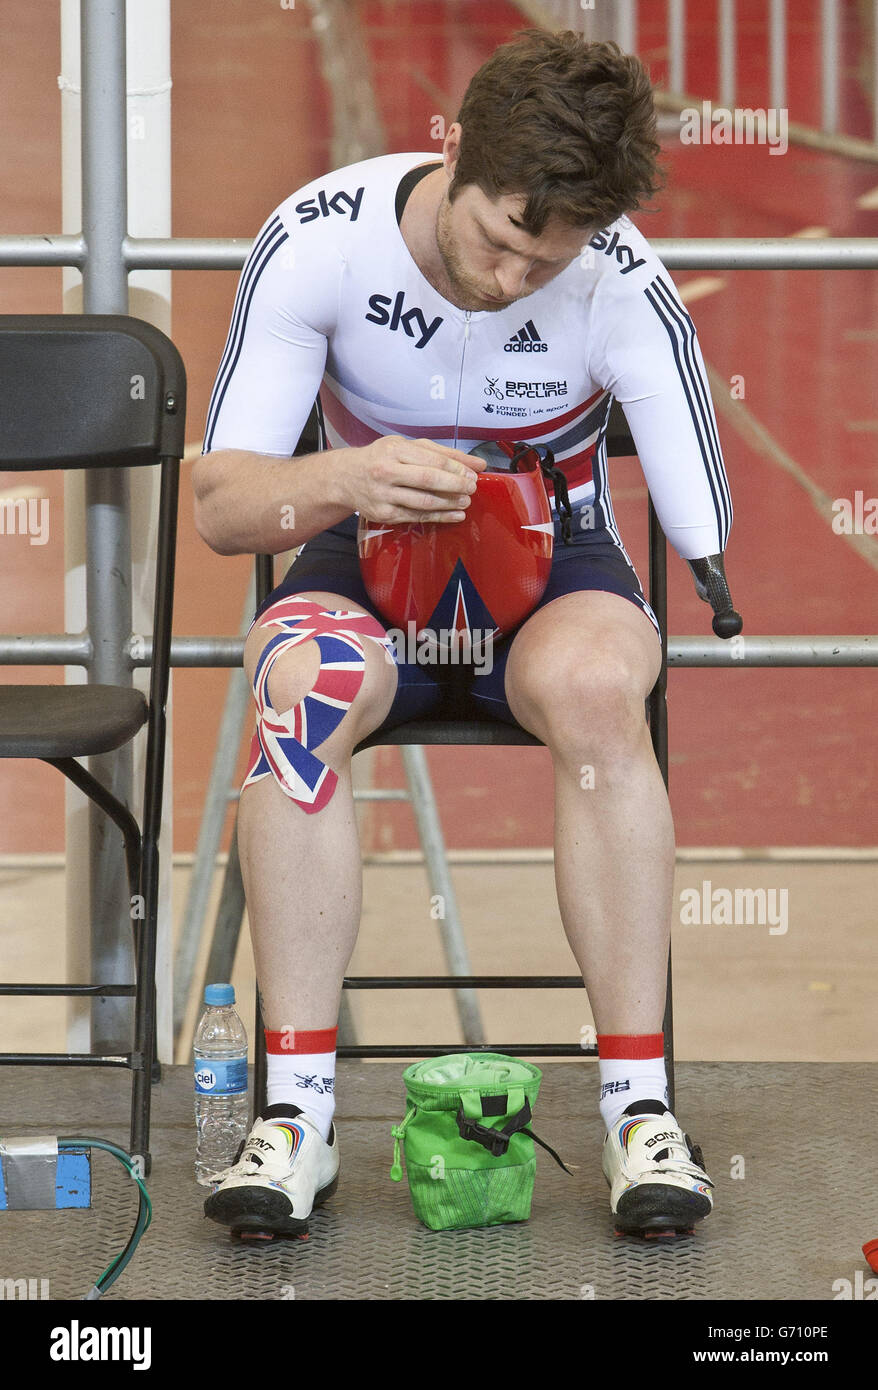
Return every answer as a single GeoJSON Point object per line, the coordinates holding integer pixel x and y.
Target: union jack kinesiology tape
{"type": "Point", "coordinates": [282, 743]}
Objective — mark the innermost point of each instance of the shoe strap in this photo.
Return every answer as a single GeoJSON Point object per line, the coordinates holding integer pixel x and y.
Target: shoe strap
{"type": "Point", "coordinates": [668, 1165]}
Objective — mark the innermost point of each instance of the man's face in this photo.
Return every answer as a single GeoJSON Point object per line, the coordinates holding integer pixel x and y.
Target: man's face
{"type": "Point", "coordinates": [488, 256]}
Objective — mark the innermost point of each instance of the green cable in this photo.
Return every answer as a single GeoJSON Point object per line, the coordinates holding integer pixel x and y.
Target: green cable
{"type": "Point", "coordinates": [144, 1213]}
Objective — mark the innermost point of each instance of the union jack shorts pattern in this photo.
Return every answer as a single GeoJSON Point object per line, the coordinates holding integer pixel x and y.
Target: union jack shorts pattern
{"type": "Point", "coordinates": [282, 743]}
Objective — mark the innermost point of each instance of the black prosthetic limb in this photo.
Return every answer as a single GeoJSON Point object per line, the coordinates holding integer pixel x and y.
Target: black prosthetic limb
{"type": "Point", "coordinates": [712, 587]}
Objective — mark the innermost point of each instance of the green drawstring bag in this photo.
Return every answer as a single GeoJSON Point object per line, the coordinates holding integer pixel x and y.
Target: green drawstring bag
{"type": "Point", "coordinates": [468, 1152]}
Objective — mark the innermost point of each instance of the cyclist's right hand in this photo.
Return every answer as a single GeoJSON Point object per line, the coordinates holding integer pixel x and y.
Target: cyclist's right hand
{"type": "Point", "coordinates": [407, 480]}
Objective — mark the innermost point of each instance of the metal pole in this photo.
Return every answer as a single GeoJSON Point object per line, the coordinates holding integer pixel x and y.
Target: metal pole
{"type": "Point", "coordinates": [829, 66]}
{"type": "Point", "coordinates": [677, 44]}
{"type": "Point", "coordinates": [678, 253]}
{"type": "Point", "coordinates": [726, 54]}
{"type": "Point", "coordinates": [762, 253]}
{"type": "Point", "coordinates": [875, 71]}
{"type": "Point", "coordinates": [777, 54]}
{"type": "Point", "coordinates": [104, 156]}
{"type": "Point", "coordinates": [227, 927]}
{"type": "Point", "coordinates": [774, 651]}
{"type": "Point", "coordinates": [626, 25]}
{"type": "Point", "coordinates": [108, 541]}
{"type": "Point", "coordinates": [216, 807]}
{"type": "Point", "coordinates": [216, 652]}
{"type": "Point", "coordinates": [185, 253]}
{"type": "Point", "coordinates": [52, 249]}
{"type": "Point", "coordinates": [433, 842]}
{"type": "Point", "coordinates": [77, 845]}
{"type": "Point", "coordinates": [148, 132]}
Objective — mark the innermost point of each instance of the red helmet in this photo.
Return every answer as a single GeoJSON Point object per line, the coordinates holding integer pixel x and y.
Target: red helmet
{"type": "Point", "coordinates": [480, 576]}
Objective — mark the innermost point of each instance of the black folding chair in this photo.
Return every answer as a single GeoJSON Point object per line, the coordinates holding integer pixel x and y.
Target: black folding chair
{"type": "Point", "coordinates": [484, 732]}
{"type": "Point", "coordinates": [100, 391]}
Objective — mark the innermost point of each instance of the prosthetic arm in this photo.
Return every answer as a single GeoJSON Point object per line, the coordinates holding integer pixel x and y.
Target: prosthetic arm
{"type": "Point", "coordinates": [711, 586]}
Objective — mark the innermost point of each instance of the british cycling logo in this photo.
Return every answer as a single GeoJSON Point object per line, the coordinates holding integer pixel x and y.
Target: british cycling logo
{"type": "Point", "coordinates": [612, 246]}
{"type": "Point", "coordinates": [530, 390]}
{"type": "Point", "coordinates": [412, 321]}
{"type": "Point", "coordinates": [536, 390]}
{"type": "Point", "coordinates": [321, 206]}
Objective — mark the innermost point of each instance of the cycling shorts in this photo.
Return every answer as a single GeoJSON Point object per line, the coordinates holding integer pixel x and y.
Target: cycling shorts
{"type": "Point", "coordinates": [329, 563]}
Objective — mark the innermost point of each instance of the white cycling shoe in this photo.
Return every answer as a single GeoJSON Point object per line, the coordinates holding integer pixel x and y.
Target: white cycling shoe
{"type": "Point", "coordinates": [658, 1183]}
{"type": "Point", "coordinates": [284, 1169]}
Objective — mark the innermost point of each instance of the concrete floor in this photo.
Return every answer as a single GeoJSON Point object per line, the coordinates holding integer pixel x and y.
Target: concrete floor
{"type": "Point", "coordinates": [777, 1234]}
{"type": "Point", "coordinates": [741, 992]}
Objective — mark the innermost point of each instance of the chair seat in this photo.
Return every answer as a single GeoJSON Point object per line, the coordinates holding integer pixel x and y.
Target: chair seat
{"type": "Point", "coordinates": [429, 731]}
{"type": "Point", "coordinates": [67, 721]}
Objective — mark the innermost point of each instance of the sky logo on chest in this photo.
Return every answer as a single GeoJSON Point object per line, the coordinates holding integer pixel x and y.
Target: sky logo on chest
{"type": "Point", "coordinates": [391, 312]}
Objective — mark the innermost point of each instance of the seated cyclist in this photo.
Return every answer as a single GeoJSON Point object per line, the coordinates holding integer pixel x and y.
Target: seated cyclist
{"type": "Point", "coordinates": [498, 293]}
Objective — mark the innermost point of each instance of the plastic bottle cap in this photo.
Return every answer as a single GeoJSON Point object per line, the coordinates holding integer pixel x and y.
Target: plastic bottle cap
{"type": "Point", "coordinates": [219, 994]}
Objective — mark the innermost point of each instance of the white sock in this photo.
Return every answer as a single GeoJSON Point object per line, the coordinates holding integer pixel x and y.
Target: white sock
{"type": "Point", "coordinates": [625, 1080]}
{"type": "Point", "coordinates": [306, 1080]}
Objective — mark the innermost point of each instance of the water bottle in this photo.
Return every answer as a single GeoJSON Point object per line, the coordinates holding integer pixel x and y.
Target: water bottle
{"type": "Point", "coordinates": [221, 1104]}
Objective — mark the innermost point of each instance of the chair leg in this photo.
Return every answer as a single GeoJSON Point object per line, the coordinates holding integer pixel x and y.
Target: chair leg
{"type": "Point", "coordinates": [260, 1066]}
{"type": "Point", "coordinates": [146, 1070]}
{"type": "Point", "coordinates": [658, 728]}
{"type": "Point", "coordinates": [229, 919]}
{"type": "Point", "coordinates": [145, 1010]}
{"type": "Point", "coordinates": [108, 803]}
{"type": "Point", "coordinates": [668, 1027]}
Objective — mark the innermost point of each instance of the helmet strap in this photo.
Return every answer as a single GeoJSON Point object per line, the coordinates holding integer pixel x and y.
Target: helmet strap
{"type": "Point", "coordinates": [556, 476]}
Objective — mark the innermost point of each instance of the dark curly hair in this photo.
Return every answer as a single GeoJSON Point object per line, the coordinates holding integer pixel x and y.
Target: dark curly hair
{"type": "Point", "coordinates": [567, 124]}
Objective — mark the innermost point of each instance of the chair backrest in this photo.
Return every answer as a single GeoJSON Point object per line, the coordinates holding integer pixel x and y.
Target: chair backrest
{"type": "Point", "coordinates": [619, 441]}
{"type": "Point", "coordinates": [88, 391]}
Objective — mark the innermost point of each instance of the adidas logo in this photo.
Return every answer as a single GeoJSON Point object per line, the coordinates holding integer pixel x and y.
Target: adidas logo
{"type": "Point", "coordinates": [527, 339]}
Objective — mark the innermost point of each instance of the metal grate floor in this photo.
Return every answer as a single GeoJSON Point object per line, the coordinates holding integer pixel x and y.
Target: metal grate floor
{"type": "Point", "coordinates": [787, 1226]}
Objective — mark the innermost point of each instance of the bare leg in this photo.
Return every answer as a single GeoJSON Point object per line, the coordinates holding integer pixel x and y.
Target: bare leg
{"type": "Point", "coordinates": [302, 873]}
{"type": "Point", "coordinates": [577, 676]}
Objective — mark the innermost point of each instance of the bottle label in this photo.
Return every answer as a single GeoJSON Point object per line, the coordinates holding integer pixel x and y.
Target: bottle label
{"type": "Point", "coordinates": [225, 1076]}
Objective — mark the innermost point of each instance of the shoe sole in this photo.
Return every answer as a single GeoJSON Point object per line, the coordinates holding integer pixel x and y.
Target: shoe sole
{"type": "Point", "coordinates": [655, 1210]}
{"type": "Point", "coordinates": [261, 1213]}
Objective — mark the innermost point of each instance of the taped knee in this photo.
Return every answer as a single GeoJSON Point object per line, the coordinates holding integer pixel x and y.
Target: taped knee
{"type": "Point", "coordinates": [282, 743]}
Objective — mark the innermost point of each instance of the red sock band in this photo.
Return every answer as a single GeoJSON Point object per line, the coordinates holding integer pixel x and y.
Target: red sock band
{"type": "Point", "coordinates": [631, 1046]}
{"type": "Point", "coordinates": [289, 1041]}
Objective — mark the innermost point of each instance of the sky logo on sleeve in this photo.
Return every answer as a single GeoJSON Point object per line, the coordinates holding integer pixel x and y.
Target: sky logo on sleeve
{"type": "Point", "coordinates": [321, 206]}
{"type": "Point", "coordinates": [612, 246]}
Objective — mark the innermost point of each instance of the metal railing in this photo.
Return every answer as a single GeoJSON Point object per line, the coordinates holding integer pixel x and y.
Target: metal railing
{"type": "Point", "coordinates": [218, 652]}
{"type": "Point", "coordinates": [618, 20]}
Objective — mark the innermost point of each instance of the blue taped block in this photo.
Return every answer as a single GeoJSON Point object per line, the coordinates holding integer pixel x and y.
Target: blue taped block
{"type": "Point", "coordinates": [73, 1179]}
